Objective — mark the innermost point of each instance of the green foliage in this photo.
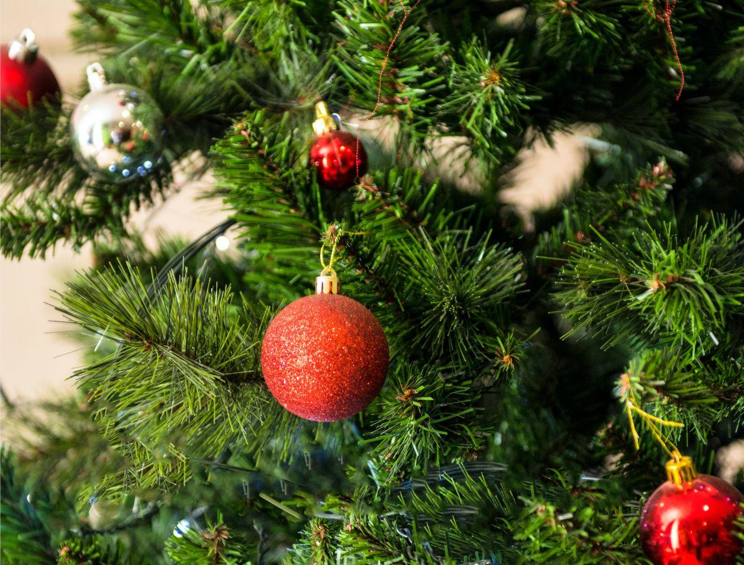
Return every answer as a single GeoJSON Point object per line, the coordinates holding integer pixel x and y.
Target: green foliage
{"type": "Point", "coordinates": [452, 463]}
{"type": "Point", "coordinates": [664, 288]}
{"type": "Point", "coordinates": [413, 70]}
{"type": "Point", "coordinates": [577, 32]}
{"type": "Point", "coordinates": [579, 525]}
{"type": "Point", "coordinates": [671, 387]}
{"type": "Point", "coordinates": [184, 372]}
{"type": "Point", "coordinates": [63, 435]}
{"type": "Point", "coordinates": [488, 99]}
{"type": "Point", "coordinates": [93, 551]}
{"type": "Point", "coordinates": [25, 531]}
{"type": "Point", "coordinates": [442, 523]}
{"type": "Point", "coordinates": [212, 546]}
{"type": "Point", "coordinates": [616, 212]}
{"type": "Point", "coordinates": [465, 288]}
{"type": "Point", "coordinates": [141, 26]}
{"type": "Point", "coordinates": [425, 420]}
{"type": "Point", "coordinates": [257, 164]}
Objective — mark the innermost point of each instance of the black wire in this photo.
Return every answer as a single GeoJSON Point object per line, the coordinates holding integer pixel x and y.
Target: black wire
{"type": "Point", "coordinates": [178, 261]}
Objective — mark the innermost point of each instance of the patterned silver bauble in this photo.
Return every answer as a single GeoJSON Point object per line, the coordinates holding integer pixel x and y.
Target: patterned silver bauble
{"type": "Point", "coordinates": [117, 130]}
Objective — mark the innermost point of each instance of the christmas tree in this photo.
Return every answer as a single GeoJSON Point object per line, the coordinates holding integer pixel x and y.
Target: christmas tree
{"type": "Point", "coordinates": [390, 364]}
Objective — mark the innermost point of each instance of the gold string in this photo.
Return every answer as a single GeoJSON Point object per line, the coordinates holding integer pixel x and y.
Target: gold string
{"type": "Point", "coordinates": [653, 423]}
{"type": "Point", "coordinates": [385, 61]}
{"type": "Point", "coordinates": [328, 269]}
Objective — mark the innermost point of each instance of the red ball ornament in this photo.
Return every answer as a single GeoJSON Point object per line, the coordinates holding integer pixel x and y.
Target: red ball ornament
{"type": "Point", "coordinates": [334, 153]}
{"type": "Point", "coordinates": [690, 519]}
{"type": "Point", "coordinates": [325, 357]}
{"type": "Point", "coordinates": [25, 76]}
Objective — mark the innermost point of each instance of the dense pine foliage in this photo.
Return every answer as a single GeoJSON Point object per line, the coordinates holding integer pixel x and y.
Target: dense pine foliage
{"type": "Point", "coordinates": [519, 345]}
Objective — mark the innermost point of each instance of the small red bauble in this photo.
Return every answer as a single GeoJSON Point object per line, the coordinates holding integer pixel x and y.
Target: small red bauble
{"type": "Point", "coordinates": [25, 77]}
{"type": "Point", "coordinates": [338, 156]}
{"type": "Point", "coordinates": [325, 357]}
{"type": "Point", "coordinates": [691, 519]}
{"type": "Point", "coordinates": [334, 155]}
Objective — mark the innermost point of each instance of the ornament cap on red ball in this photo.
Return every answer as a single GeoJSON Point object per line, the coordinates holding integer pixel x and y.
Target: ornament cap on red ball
{"type": "Point", "coordinates": [25, 77]}
{"type": "Point", "coordinates": [691, 519]}
{"type": "Point", "coordinates": [337, 156]}
{"type": "Point", "coordinates": [325, 356]}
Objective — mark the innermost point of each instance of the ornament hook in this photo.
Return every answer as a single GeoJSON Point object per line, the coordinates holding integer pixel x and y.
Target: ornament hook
{"type": "Point", "coordinates": [24, 48]}
{"type": "Point", "coordinates": [96, 76]}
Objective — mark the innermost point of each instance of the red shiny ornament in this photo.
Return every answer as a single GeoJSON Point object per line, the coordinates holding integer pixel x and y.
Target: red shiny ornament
{"type": "Point", "coordinates": [325, 357]}
{"type": "Point", "coordinates": [334, 156]}
{"type": "Point", "coordinates": [25, 76]}
{"type": "Point", "coordinates": [692, 522]}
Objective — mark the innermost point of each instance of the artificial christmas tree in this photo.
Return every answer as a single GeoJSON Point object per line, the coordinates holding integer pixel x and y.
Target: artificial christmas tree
{"type": "Point", "coordinates": [538, 366]}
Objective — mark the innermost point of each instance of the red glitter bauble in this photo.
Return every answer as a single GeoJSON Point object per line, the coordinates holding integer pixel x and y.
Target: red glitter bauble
{"type": "Point", "coordinates": [23, 82]}
{"type": "Point", "coordinates": [325, 357]}
{"type": "Point", "coordinates": [692, 523]}
{"type": "Point", "coordinates": [334, 156]}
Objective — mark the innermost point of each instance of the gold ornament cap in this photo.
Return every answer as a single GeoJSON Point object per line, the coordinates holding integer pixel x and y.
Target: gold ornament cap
{"type": "Point", "coordinates": [324, 121]}
{"type": "Point", "coordinates": [327, 284]}
{"type": "Point", "coordinates": [680, 470]}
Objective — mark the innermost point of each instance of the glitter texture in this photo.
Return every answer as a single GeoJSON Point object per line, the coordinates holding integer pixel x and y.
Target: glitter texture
{"type": "Point", "coordinates": [334, 155]}
{"type": "Point", "coordinates": [325, 357]}
{"type": "Point", "coordinates": [692, 524]}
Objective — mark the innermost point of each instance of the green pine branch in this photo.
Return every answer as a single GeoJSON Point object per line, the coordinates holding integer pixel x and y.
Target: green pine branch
{"type": "Point", "coordinates": [27, 539]}
{"type": "Point", "coordinates": [663, 287]}
{"type": "Point", "coordinates": [413, 73]}
{"type": "Point", "coordinates": [214, 545]}
{"type": "Point", "coordinates": [184, 374]}
{"type": "Point", "coordinates": [427, 418]}
{"type": "Point", "coordinates": [616, 212]}
{"type": "Point", "coordinates": [488, 101]}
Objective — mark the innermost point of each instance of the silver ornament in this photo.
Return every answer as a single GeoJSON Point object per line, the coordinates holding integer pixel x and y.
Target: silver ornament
{"type": "Point", "coordinates": [117, 130]}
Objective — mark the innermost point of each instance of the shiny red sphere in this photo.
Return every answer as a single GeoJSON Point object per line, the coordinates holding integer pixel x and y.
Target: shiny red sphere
{"type": "Point", "coordinates": [334, 156]}
{"type": "Point", "coordinates": [692, 524]}
{"type": "Point", "coordinates": [325, 357]}
{"type": "Point", "coordinates": [23, 82]}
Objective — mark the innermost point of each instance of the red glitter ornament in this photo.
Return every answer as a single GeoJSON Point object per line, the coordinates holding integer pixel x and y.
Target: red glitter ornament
{"type": "Point", "coordinates": [25, 76]}
{"type": "Point", "coordinates": [337, 155]}
{"type": "Point", "coordinates": [690, 519]}
{"type": "Point", "coordinates": [325, 357]}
